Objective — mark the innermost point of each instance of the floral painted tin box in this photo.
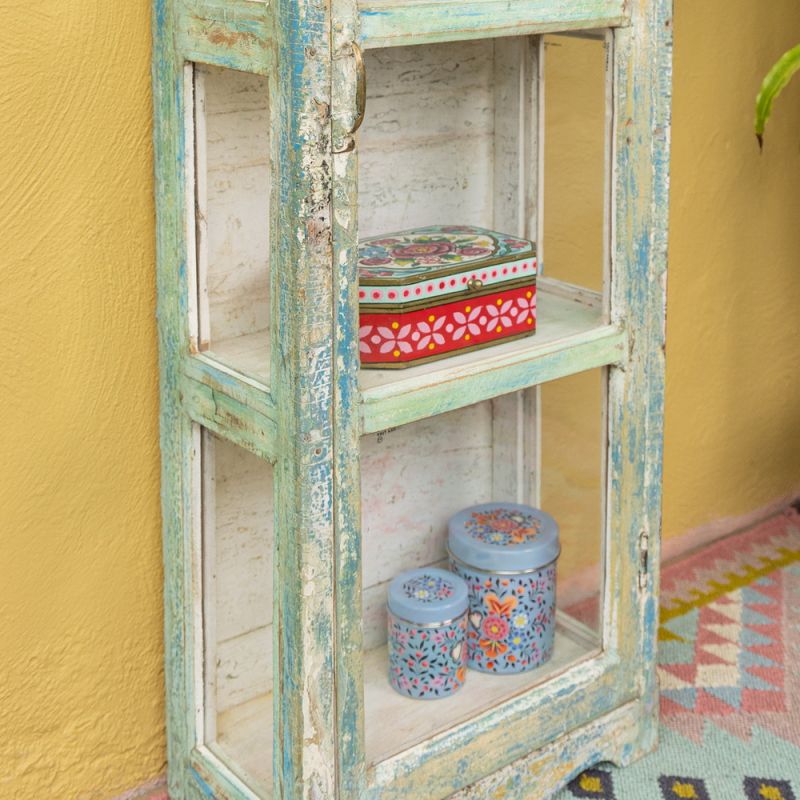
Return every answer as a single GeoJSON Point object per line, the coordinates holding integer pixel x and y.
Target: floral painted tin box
{"type": "Point", "coordinates": [506, 553]}
{"type": "Point", "coordinates": [427, 630]}
{"type": "Point", "coordinates": [431, 292]}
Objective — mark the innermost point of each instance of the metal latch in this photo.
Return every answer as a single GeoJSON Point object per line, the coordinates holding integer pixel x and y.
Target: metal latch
{"type": "Point", "coordinates": [644, 541]}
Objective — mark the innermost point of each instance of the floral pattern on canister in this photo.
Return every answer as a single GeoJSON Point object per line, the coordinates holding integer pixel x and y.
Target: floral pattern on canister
{"type": "Point", "coordinates": [503, 526]}
{"type": "Point", "coordinates": [427, 662]}
{"type": "Point", "coordinates": [398, 338]}
{"type": "Point", "coordinates": [511, 618]}
{"type": "Point", "coordinates": [428, 292]}
{"type": "Point", "coordinates": [428, 588]}
{"type": "Point", "coordinates": [419, 252]}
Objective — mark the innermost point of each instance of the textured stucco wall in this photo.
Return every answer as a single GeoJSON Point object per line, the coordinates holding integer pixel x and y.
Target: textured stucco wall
{"type": "Point", "coordinates": [81, 711]}
{"type": "Point", "coordinates": [732, 436]}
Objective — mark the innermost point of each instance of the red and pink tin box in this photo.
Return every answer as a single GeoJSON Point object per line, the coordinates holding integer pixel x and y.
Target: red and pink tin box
{"type": "Point", "coordinates": [432, 292]}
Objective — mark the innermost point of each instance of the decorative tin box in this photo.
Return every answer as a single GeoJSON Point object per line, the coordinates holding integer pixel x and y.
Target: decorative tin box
{"type": "Point", "coordinates": [429, 292]}
{"type": "Point", "coordinates": [427, 629]}
{"type": "Point", "coordinates": [507, 555]}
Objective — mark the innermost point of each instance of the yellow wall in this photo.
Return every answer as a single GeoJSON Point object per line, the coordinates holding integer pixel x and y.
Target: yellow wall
{"type": "Point", "coordinates": [81, 711]}
{"type": "Point", "coordinates": [732, 439]}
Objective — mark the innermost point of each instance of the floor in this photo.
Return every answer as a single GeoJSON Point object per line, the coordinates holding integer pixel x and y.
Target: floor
{"type": "Point", "coordinates": [729, 647]}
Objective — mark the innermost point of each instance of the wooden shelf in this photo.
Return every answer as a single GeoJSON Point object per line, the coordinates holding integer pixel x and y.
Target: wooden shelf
{"type": "Point", "coordinates": [401, 22]}
{"type": "Point", "coordinates": [248, 354]}
{"type": "Point", "coordinates": [394, 723]}
{"type": "Point", "coordinates": [571, 337]}
{"type": "Point", "coordinates": [413, 721]}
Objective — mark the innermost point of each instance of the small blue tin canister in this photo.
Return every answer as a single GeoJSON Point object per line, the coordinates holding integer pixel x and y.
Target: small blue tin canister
{"type": "Point", "coordinates": [427, 630]}
{"type": "Point", "coordinates": [507, 555]}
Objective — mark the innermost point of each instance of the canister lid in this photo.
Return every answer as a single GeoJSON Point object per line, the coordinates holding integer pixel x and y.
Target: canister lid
{"type": "Point", "coordinates": [436, 251]}
{"type": "Point", "coordinates": [428, 595]}
{"type": "Point", "coordinates": [503, 537]}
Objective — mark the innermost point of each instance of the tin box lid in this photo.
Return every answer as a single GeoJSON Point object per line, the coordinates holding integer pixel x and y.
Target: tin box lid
{"type": "Point", "coordinates": [503, 537]}
{"type": "Point", "coordinates": [428, 595]}
{"type": "Point", "coordinates": [440, 260]}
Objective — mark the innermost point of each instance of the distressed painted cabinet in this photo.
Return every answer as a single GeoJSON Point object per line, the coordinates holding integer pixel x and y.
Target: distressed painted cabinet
{"type": "Point", "coordinates": [295, 485]}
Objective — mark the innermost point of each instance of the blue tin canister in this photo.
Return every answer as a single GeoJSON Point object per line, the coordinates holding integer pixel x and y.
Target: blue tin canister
{"type": "Point", "coordinates": [427, 633]}
{"type": "Point", "coordinates": [506, 553]}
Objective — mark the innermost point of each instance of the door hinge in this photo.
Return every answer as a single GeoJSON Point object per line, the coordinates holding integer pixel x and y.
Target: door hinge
{"type": "Point", "coordinates": [643, 555]}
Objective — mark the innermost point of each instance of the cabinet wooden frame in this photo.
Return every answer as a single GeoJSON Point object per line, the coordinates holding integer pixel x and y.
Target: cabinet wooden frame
{"type": "Point", "coordinates": [308, 414]}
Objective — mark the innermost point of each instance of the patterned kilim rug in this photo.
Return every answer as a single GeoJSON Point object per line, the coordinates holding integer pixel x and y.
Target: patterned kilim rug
{"type": "Point", "coordinates": [729, 647]}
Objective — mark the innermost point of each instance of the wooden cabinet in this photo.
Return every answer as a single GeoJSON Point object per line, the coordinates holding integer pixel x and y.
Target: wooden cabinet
{"type": "Point", "coordinates": [296, 485]}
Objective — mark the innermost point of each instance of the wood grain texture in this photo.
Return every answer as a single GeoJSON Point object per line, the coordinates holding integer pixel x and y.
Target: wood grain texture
{"type": "Point", "coordinates": [640, 185]}
{"type": "Point", "coordinates": [207, 392]}
{"type": "Point", "coordinates": [210, 776]}
{"type": "Point", "coordinates": [226, 33]}
{"type": "Point", "coordinates": [348, 643]}
{"type": "Point", "coordinates": [307, 412]}
{"type": "Point", "coordinates": [226, 416]}
{"type": "Point", "coordinates": [426, 147]}
{"type": "Point", "coordinates": [176, 438]}
{"type": "Point", "coordinates": [250, 392]}
{"type": "Point", "coordinates": [613, 738]}
{"type": "Point", "coordinates": [302, 289]}
{"type": "Point", "coordinates": [400, 22]}
{"type": "Point", "coordinates": [233, 157]}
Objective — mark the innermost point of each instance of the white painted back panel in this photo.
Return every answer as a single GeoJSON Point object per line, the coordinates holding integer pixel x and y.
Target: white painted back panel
{"type": "Point", "coordinates": [238, 536]}
{"type": "Point", "coordinates": [237, 162]}
{"type": "Point", "coordinates": [426, 147]}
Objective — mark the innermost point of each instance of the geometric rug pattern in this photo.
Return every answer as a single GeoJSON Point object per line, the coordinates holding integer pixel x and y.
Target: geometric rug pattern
{"type": "Point", "coordinates": [729, 672]}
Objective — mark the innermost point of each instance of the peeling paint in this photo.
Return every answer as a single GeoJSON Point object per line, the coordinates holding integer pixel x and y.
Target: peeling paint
{"type": "Point", "coordinates": [310, 423]}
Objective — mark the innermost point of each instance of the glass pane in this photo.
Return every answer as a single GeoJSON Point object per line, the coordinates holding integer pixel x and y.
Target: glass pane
{"type": "Point", "coordinates": [233, 180]}
{"type": "Point", "coordinates": [237, 500]}
{"type": "Point", "coordinates": [447, 136]}
{"type": "Point", "coordinates": [575, 147]}
{"type": "Point", "coordinates": [573, 452]}
{"type": "Point", "coordinates": [413, 479]}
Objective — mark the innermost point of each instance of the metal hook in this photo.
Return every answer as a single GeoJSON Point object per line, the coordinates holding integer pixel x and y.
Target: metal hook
{"type": "Point", "coordinates": [361, 98]}
{"type": "Point", "coordinates": [361, 87]}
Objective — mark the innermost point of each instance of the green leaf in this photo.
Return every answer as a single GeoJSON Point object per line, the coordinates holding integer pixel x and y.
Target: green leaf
{"type": "Point", "coordinates": [776, 80]}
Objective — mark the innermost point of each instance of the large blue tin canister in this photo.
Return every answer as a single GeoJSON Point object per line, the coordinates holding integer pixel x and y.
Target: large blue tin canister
{"type": "Point", "coordinates": [427, 629]}
{"type": "Point", "coordinates": [506, 553]}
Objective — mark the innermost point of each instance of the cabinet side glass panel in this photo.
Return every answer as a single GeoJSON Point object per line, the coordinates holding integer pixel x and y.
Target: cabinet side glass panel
{"type": "Point", "coordinates": [573, 424]}
{"type": "Point", "coordinates": [577, 115]}
{"type": "Point", "coordinates": [233, 178]}
{"type": "Point", "coordinates": [576, 245]}
{"type": "Point", "coordinates": [414, 478]}
{"type": "Point", "coordinates": [237, 575]}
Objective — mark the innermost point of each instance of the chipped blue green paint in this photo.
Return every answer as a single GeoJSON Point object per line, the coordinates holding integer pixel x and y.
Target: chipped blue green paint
{"type": "Point", "coordinates": [206, 790]}
{"type": "Point", "coordinates": [310, 419]}
{"type": "Point", "coordinates": [413, 22]}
